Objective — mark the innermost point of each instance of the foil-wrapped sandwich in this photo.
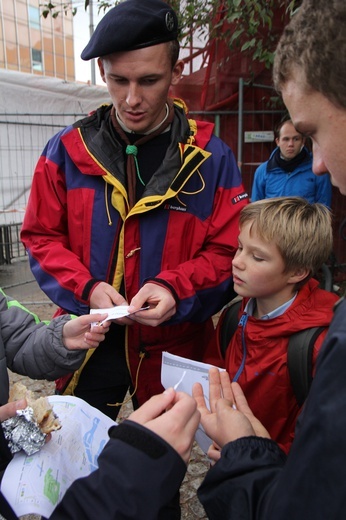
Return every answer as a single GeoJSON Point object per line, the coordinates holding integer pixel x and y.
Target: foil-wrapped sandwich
{"type": "Point", "coordinates": [29, 428]}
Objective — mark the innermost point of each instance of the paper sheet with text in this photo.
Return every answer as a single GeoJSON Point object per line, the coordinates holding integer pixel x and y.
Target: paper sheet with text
{"type": "Point", "coordinates": [36, 484]}
{"type": "Point", "coordinates": [182, 373]}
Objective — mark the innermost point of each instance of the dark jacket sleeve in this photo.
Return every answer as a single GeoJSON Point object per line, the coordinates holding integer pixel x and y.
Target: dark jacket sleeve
{"type": "Point", "coordinates": [5, 458]}
{"type": "Point", "coordinates": [237, 485]}
{"type": "Point", "coordinates": [252, 481]}
{"type": "Point", "coordinates": [139, 475]}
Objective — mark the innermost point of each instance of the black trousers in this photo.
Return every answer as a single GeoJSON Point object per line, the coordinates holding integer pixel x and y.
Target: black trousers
{"type": "Point", "coordinates": [105, 379]}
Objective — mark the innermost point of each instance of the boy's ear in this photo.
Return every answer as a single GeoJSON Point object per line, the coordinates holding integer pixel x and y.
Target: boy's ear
{"type": "Point", "coordinates": [298, 275]}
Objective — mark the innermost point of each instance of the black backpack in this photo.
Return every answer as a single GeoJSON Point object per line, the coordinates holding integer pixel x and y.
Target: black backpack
{"type": "Point", "coordinates": [299, 353]}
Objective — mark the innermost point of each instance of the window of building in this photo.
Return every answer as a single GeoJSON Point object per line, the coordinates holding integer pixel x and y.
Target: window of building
{"type": "Point", "coordinates": [34, 17]}
{"type": "Point", "coordinates": [36, 57]}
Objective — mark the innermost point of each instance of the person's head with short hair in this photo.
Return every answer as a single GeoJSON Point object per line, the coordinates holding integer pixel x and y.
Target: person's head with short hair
{"type": "Point", "coordinates": [288, 139]}
{"type": "Point", "coordinates": [137, 47]}
{"type": "Point", "coordinates": [283, 242]}
{"type": "Point", "coordinates": [309, 72]}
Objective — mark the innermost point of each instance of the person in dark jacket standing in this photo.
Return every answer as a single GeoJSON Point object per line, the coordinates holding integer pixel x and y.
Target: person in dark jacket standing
{"type": "Point", "coordinates": [288, 172]}
{"type": "Point", "coordinates": [136, 204]}
{"type": "Point", "coordinates": [253, 479]}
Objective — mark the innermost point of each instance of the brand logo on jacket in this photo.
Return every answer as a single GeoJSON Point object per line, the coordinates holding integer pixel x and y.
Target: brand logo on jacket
{"type": "Point", "coordinates": [174, 208]}
{"type": "Point", "coordinates": [239, 197]}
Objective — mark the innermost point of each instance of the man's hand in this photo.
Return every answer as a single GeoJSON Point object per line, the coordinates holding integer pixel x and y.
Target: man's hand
{"type": "Point", "coordinates": [173, 416]}
{"type": "Point", "coordinates": [161, 302]}
{"type": "Point", "coordinates": [79, 334]}
{"type": "Point", "coordinates": [104, 296]}
{"type": "Point", "coordinates": [229, 417]}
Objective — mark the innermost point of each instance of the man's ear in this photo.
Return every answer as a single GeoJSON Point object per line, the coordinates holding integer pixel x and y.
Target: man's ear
{"type": "Point", "coordinates": [298, 276]}
{"type": "Point", "coordinates": [101, 68]}
{"type": "Point", "coordinates": [177, 72]}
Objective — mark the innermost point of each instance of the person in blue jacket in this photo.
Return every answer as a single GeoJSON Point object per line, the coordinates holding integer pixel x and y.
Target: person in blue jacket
{"type": "Point", "coordinates": [288, 172]}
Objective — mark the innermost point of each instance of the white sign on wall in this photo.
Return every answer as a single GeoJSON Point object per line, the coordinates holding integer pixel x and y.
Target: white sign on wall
{"type": "Point", "coordinates": [264, 136]}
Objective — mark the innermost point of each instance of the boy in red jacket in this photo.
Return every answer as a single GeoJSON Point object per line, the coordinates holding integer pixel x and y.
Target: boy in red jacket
{"type": "Point", "coordinates": [282, 243]}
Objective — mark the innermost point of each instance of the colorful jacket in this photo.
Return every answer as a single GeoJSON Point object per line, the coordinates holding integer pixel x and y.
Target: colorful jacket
{"type": "Point", "coordinates": [182, 234]}
{"type": "Point", "coordinates": [257, 358]}
{"type": "Point", "coordinates": [32, 347]}
{"type": "Point", "coordinates": [271, 181]}
{"type": "Point", "coordinates": [254, 481]}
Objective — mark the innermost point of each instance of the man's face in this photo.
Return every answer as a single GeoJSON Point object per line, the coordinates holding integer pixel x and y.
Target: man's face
{"type": "Point", "coordinates": [289, 141]}
{"type": "Point", "coordinates": [138, 82]}
{"type": "Point", "coordinates": [317, 117]}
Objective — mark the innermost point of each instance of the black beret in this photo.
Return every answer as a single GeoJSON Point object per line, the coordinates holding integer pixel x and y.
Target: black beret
{"type": "Point", "coordinates": [130, 25]}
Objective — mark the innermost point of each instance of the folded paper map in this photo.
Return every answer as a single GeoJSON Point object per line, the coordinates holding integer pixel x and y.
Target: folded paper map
{"type": "Point", "coordinates": [35, 484]}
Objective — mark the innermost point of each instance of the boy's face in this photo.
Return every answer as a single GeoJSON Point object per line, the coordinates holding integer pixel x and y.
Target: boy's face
{"type": "Point", "coordinates": [138, 82]}
{"type": "Point", "coordinates": [317, 117]}
{"type": "Point", "coordinates": [258, 270]}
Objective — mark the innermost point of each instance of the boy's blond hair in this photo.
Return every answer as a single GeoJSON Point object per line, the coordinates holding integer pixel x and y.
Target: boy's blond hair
{"type": "Point", "coordinates": [301, 231]}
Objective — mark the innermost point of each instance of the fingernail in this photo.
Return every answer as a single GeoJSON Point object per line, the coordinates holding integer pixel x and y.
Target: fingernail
{"type": "Point", "coordinates": [20, 404]}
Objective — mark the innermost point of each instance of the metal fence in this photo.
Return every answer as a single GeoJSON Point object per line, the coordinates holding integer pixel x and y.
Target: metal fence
{"type": "Point", "coordinates": [10, 244]}
{"type": "Point", "coordinates": [23, 137]}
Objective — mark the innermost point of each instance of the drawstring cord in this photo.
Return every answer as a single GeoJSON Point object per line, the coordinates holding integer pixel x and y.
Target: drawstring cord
{"type": "Point", "coordinates": [191, 192]}
{"type": "Point", "coordinates": [141, 357]}
{"type": "Point", "coordinates": [107, 207]}
{"type": "Point", "coordinates": [242, 322]}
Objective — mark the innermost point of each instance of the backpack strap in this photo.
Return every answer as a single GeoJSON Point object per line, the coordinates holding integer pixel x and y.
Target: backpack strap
{"type": "Point", "coordinates": [299, 360]}
{"type": "Point", "coordinates": [299, 352]}
{"type": "Point", "coordinates": [228, 323]}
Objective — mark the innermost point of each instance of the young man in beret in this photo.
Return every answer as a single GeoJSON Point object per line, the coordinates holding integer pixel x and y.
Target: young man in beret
{"type": "Point", "coordinates": [137, 205]}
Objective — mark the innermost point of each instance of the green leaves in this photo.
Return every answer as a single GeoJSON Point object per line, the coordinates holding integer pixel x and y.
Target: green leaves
{"type": "Point", "coordinates": [245, 25]}
{"type": "Point", "coordinates": [55, 10]}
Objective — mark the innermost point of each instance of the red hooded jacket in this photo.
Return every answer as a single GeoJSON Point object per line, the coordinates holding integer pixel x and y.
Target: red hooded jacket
{"type": "Point", "coordinates": [261, 345]}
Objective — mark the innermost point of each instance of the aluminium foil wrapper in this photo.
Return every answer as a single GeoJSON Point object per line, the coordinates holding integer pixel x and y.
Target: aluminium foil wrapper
{"type": "Point", "coordinates": [23, 433]}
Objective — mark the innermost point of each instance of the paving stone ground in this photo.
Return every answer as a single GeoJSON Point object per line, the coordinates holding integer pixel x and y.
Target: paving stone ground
{"type": "Point", "coordinates": [15, 278]}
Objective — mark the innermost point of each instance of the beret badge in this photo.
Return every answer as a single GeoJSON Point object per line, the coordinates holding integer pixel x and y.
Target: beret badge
{"type": "Point", "coordinates": [170, 22]}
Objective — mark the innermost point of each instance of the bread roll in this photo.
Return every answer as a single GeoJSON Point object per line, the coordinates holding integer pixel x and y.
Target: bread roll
{"type": "Point", "coordinates": [43, 411]}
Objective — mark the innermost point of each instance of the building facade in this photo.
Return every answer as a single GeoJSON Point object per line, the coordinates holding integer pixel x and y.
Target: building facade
{"type": "Point", "coordinates": [33, 44]}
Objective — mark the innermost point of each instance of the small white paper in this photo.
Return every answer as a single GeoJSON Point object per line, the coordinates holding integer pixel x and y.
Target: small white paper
{"type": "Point", "coordinates": [182, 373]}
{"type": "Point", "coordinates": [114, 313]}
{"type": "Point", "coordinates": [36, 484]}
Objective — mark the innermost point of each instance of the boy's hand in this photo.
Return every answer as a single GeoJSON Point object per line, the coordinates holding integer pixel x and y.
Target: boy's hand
{"type": "Point", "coordinates": [9, 410]}
{"type": "Point", "coordinates": [229, 417]}
{"type": "Point", "coordinates": [78, 333]}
